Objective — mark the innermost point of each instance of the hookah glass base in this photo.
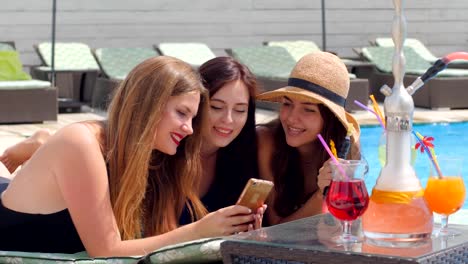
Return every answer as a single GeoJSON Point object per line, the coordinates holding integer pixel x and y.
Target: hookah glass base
{"type": "Point", "coordinates": [397, 220]}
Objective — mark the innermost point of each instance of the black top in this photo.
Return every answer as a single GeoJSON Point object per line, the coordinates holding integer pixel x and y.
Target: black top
{"type": "Point", "coordinates": [216, 198]}
{"type": "Point", "coordinates": [49, 233]}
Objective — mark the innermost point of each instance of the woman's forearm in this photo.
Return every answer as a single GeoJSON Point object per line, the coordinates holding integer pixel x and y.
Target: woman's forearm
{"type": "Point", "coordinates": [143, 246]}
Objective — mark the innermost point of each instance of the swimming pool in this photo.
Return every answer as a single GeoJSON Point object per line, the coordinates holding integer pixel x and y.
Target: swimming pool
{"type": "Point", "coordinates": [450, 139]}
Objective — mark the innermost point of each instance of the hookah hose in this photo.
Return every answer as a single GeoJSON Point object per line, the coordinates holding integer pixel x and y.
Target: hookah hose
{"type": "Point", "coordinates": [437, 67]}
{"type": "Point", "coordinates": [442, 63]}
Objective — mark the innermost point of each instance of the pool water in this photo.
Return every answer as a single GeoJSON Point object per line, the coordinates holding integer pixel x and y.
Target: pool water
{"type": "Point", "coordinates": [450, 139]}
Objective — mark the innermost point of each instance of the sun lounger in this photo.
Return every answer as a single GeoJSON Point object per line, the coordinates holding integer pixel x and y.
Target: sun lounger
{"type": "Point", "coordinates": [449, 89]}
{"type": "Point", "coordinates": [23, 100]}
{"type": "Point", "coordinates": [7, 45]}
{"type": "Point", "coordinates": [421, 49]}
{"type": "Point", "coordinates": [271, 66]}
{"type": "Point", "coordinates": [206, 250]}
{"type": "Point", "coordinates": [297, 48]}
{"type": "Point", "coordinates": [30, 101]}
{"type": "Point", "coordinates": [76, 72]}
{"type": "Point", "coordinates": [193, 53]}
{"type": "Point", "coordinates": [115, 64]}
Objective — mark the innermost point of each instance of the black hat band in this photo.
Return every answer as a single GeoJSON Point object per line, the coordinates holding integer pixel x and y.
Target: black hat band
{"type": "Point", "coordinates": [322, 91]}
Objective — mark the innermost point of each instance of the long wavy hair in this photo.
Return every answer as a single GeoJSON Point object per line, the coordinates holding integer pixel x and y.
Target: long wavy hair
{"type": "Point", "coordinates": [237, 162]}
{"type": "Point", "coordinates": [286, 167]}
{"type": "Point", "coordinates": [144, 204]}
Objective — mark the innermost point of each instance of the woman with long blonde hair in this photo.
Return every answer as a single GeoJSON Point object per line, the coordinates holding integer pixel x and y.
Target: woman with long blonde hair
{"type": "Point", "coordinates": [88, 187]}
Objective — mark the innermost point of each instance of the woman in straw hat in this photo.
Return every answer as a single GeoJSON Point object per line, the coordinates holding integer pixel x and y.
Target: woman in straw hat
{"type": "Point", "coordinates": [289, 151]}
{"type": "Point", "coordinates": [88, 186]}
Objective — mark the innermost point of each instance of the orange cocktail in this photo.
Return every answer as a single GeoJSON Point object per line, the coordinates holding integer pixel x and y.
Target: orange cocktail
{"type": "Point", "coordinates": [445, 195]}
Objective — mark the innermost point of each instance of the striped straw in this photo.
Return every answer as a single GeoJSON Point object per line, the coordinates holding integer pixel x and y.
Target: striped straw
{"type": "Point", "coordinates": [332, 157]}
{"type": "Point", "coordinates": [429, 153]}
{"type": "Point", "coordinates": [377, 109]}
{"type": "Point", "coordinates": [372, 111]}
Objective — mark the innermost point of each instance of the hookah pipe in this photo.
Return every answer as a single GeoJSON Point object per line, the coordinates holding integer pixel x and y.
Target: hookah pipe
{"type": "Point", "coordinates": [438, 66]}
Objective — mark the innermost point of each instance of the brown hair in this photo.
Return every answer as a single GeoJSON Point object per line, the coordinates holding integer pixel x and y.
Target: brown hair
{"type": "Point", "coordinates": [237, 162]}
{"type": "Point", "coordinates": [288, 176]}
{"type": "Point", "coordinates": [141, 203]}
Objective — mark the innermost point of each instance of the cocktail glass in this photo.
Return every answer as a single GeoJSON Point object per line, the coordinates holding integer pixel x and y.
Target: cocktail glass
{"type": "Point", "coordinates": [347, 197]}
{"type": "Point", "coordinates": [446, 195]}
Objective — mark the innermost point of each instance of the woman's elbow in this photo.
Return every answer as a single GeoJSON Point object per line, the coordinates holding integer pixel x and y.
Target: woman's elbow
{"type": "Point", "coordinates": [103, 250]}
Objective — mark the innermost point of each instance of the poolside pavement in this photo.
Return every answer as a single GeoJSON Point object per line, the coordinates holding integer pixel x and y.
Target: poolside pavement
{"type": "Point", "coordinates": [13, 133]}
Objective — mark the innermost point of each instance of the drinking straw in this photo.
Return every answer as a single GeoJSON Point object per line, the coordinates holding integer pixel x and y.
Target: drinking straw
{"type": "Point", "coordinates": [429, 153]}
{"type": "Point", "coordinates": [331, 156]}
{"type": "Point", "coordinates": [372, 111]}
{"type": "Point", "coordinates": [430, 148]}
{"type": "Point", "coordinates": [377, 108]}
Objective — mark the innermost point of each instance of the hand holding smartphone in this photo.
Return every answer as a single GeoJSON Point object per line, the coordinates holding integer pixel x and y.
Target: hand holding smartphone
{"type": "Point", "coordinates": [255, 193]}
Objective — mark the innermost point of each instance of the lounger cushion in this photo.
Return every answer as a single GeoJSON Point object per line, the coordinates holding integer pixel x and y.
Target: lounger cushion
{"type": "Point", "coordinates": [197, 251]}
{"type": "Point", "coordinates": [68, 56]}
{"type": "Point", "coordinates": [297, 48]}
{"type": "Point", "coordinates": [11, 68]}
{"type": "Point", "coordinates": [194, 54]}
{"type": "Point", "coordinates": [382, 57]}
{"type": "Point", "coordinates": [6, 46]}
{"type": "Point", "coordinates": [422, 50]}
{"type": "Point", "coordinates": [417, 45]}
{"type": "Point", "coordinates": [116, 63]}
{"type": "Point", "coordinates": [28, 84]}
{"type": "Point", "coordinates": [14, 257]}
{"type": "Point", "coordinates": [267, 62]}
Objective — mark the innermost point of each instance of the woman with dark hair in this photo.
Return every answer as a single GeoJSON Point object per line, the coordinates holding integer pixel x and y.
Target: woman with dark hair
{"type": "Point", "coordinates": [290, 153]}
{"type": "Point", "coordinates": [228, 151]}
{"type": "Point", "coordinates": [88, 186]}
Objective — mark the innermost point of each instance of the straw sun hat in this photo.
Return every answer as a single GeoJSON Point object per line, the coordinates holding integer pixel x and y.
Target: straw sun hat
{"type": "Point", "coordinates": [319, 78]}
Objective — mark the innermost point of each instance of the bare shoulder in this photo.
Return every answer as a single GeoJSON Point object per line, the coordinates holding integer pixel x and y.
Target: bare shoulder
{"type": "Point", "coordinates": [75, 136]}
{"type": "Point", "coordinates": [74, 141]}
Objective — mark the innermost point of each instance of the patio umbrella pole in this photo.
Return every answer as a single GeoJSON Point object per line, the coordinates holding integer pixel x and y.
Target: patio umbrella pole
{"type": "Point", "coordinates": [324, 31]}
{"type": "Point", "coordinates": [52, 52]}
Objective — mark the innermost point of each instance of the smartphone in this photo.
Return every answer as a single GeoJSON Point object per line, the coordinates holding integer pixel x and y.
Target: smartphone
{"type": "Point", "coordinates": [255, 193]}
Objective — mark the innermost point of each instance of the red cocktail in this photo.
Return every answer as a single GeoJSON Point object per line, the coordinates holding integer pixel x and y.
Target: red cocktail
{"type": "Point", "coordinates": [347, 200]}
